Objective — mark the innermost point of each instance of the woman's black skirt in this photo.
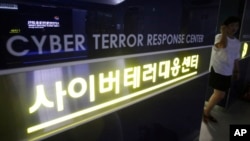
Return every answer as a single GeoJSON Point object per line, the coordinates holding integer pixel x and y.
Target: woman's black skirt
{"type": "Point", "coordinates": [218, 81]}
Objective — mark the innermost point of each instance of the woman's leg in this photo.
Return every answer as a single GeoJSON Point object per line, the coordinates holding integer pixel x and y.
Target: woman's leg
{"type": "Point", "coordinates": [216, 97]}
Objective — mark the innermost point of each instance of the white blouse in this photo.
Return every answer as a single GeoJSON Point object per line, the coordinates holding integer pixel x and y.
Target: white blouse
{"type": "Point", "coordinates": [222, 59]}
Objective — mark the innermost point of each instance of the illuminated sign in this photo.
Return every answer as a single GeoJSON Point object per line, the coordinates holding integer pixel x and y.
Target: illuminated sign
{"type": "Point", "coordinates": [15, 30]}
{"type": "Point", "coordinates": [114, 80]}
{"type": "Point", "coordinates": [71, 43]}
{"type": "Point", "coordinates": [68, 43]}
{"type": "Point", "coordinates": [29, 50]}
{"type": "Point", "coordinates": [109, 41]}
{"type": "Point", "coordinates": [244, 50]}
{"type": "Point", "coordinates": [59, 98]}
{"type": "Point", "coordinates": [42, 24]}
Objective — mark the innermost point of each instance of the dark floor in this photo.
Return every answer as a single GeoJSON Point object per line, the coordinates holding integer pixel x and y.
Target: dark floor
{"type": "Point", "coordinates": [237, 113]}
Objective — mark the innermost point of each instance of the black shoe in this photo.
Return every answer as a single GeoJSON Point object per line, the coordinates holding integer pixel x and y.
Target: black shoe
{"type": "Point", "coordinates": [209, 118]}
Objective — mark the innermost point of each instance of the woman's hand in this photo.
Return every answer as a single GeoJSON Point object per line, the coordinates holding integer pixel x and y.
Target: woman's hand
{"type": "Point", "coordinates": [223, 41]}
{"type": "Point", "coordinates": [223, 30]}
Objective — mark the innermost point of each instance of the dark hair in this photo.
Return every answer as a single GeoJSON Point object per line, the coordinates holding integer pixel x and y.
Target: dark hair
{"type": "Point", "coordinates": [231, 19]}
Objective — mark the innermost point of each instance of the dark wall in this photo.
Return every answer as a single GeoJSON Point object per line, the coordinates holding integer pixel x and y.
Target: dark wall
{"type": "Point", "coordinates": [230, 8]}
